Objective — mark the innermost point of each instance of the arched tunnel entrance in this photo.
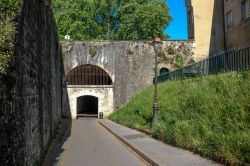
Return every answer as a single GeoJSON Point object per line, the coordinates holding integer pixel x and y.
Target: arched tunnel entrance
{"type": "Point", "coordinates": [87, 106]}
{"type": "Point", "coordinates": [90, 91]}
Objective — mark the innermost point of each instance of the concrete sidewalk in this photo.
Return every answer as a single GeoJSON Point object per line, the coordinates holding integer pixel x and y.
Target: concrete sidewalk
{"type": "Point", "coordinates": [154, 151]}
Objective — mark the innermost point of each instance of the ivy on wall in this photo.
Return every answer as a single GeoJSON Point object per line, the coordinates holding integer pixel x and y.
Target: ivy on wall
{"type": "Point", "coordinates": [8, 11]}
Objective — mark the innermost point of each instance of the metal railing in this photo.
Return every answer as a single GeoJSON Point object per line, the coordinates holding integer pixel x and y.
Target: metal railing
{"type": "Point", "coordinates": [227, 61]}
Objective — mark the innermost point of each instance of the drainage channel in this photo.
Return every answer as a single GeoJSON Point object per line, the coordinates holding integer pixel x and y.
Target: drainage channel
{"type": "Point", "coordinates": [87, 116]}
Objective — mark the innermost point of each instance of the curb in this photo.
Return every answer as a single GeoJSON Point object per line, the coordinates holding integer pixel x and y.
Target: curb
{"type": "Point", "coordinates": [131, 146]}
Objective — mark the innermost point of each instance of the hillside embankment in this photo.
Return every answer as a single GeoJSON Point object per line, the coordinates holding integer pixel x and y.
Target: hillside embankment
{"type": "Point", "coordinates": [208, 115]}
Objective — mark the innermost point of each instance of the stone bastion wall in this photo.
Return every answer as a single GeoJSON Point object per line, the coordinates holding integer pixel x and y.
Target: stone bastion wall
{"type": "Point", "coordinates": [130, 64]}
{"type": "Point", "coordinates": [30, 92]}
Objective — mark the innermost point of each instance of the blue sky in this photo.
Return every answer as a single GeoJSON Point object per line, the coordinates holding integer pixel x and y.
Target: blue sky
{"type": "Point", "coordinates": [177, 29]}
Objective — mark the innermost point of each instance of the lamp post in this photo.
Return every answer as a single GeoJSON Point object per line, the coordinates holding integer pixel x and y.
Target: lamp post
{"type": "Point", "coordinates": [157, 42]}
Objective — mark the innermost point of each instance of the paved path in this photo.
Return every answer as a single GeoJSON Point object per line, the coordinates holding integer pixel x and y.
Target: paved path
{"type": "Point", "coordinates": [155, 152]}
{"type": "Point", "coordinates": [89, 144]}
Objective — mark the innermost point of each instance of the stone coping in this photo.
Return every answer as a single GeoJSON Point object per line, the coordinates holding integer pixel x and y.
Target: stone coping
{"type": "Point", "coordinates": [117, 41]}
{"type": "Point", "coordinates": [90, 86]}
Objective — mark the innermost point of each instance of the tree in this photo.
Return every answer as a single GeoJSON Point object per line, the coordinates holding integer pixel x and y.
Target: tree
{"type": "Point", "coordinates": [143, 20]}
{"type": "Point", "coordinates": [111, 19]}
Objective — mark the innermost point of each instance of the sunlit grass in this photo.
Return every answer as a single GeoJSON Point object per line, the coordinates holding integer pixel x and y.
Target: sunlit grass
{"type": "Point", "coordinates": [209, 115]}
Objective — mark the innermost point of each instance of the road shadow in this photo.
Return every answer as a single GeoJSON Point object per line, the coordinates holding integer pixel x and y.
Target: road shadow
{"type": "Point", "coordinates": [66, 117]}
{"type": "Point", "coordinates": [63, 131]}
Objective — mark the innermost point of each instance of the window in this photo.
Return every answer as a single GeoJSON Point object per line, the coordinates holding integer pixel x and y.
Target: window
{"type": "Point", "coordinates": [245, 10]}
{"type": "Point", "coordinates": [229, 19]}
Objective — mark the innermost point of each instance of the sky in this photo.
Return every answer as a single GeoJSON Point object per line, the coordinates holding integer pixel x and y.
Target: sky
{"type": "Point", "coordinates": [177, 29]}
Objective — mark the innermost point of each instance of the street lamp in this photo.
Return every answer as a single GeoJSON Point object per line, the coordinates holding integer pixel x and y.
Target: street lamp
{"type": "Point", "coordinates": [66, 37]}
{"type": "Point", "coordinates": [156, 44]}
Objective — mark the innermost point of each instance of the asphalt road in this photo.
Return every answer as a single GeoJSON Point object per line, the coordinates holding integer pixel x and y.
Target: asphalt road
{"type": "Point", "coordinates": [89, 144]}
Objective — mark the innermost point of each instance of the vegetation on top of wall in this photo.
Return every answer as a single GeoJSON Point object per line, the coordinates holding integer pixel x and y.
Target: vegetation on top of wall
{"type": "Point", "coordinates": [8, 11]}
{"type": "Point", "coordinates": [111, 19]}
{"type": "Point", "coordinates": [208, 115]}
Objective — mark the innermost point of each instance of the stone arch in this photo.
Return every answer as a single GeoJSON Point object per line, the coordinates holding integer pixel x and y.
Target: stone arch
{"type": "Point", "coordinates": [104, 95]}
{"type": "Point", "coordinates": [87, 105]}
{"type": "Point", "coordinates": [109, 72]}
{"type": "Point", "coordinates": [163, 70]}
{"type": "Point", "coordinates": [88, 75]}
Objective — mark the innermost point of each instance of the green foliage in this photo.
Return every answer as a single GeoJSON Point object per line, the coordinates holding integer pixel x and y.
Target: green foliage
{"type": "Point", "coordinates": [92, 51]}
{"type": "Point", "coordinates": [111, 19]}
{"type": "Point", "coordinates": [209, 115]}
{"type": "Point", "coordinates": [179, 61]}
{"type": "Point", "coordinates": [8, 11]}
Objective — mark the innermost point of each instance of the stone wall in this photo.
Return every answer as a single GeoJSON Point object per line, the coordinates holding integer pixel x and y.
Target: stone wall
{"type": "Point", "coordinates": [130, 64]}
{"type": "Point", "coordinates": [30, 101]}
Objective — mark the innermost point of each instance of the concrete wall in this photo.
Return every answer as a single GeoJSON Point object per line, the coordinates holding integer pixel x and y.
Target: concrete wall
{"type": "Point", "coordinates": [239, 34]}
{"type": "Point", "coordinates": [202, 15]}
{"type": "Point", "coordinates": [217, 40]}
{"type": "Point", "coordinates": [130, 64]}
{"type": "Point", "coordinates": [190, 19]}
{"type": "Point", "coordinates": [205, 26]}
{"type": "Point", "coordinates": [30, 101]}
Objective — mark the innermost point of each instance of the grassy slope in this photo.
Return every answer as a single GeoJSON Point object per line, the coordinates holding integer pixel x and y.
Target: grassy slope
{"type": "Point", "coordinates": [209, 115]}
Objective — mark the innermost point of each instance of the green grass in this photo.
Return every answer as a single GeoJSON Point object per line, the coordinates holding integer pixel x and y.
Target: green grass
{"type": "Point", "coordinates": [209, 115]}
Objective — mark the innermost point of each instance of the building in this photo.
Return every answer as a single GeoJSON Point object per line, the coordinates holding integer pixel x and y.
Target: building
{"type": "Point", "coordinates": [237, 23]}
{"type": "Point", "coordinates": [217, 25]}
{"type": "Point", "coordinates": [205, 26]}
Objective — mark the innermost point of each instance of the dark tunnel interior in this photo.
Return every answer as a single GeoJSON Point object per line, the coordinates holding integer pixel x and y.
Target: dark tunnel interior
{"type": "Point", "coordinates": [87, 105]}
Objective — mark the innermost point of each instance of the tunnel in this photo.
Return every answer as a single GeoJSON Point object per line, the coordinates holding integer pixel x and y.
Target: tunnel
{"type": "Point", "coordinates": [164, 70]}
{"type": "Point", "coordinates": [87, 106]}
